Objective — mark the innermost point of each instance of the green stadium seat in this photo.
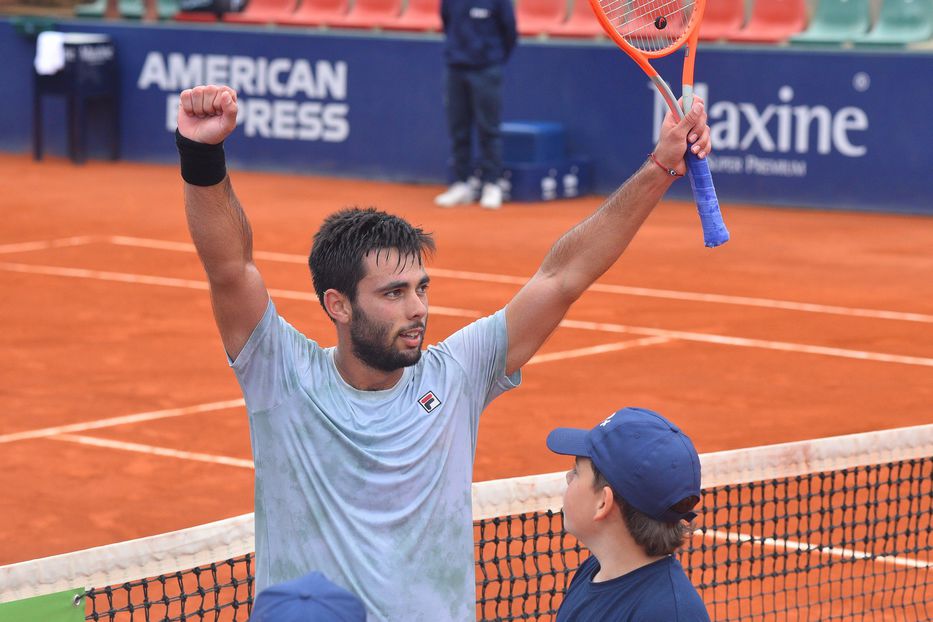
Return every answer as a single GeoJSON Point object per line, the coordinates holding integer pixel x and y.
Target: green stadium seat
{"type": "Point", "coordinates": [166, 9]}
{"type": "Point", "coordinates": [901, 22]}
{"type": "Point", "coordinates": [722, 19]}
{"type": "Point", "coordinates": [131, 9]}
{"type": "Point", "coordinates": [837, 21]}
{"type": "Point", "coordinates": [30, 26]}
{"type": "Point", "coordinates": [95, 8]}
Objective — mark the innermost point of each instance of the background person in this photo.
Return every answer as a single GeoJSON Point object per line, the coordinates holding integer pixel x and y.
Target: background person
{"type": "Point", "coordinates": [479, 37]}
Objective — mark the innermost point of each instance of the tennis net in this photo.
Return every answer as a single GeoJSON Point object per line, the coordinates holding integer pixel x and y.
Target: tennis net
{"type": "Point", "coordinates": [828, 529]}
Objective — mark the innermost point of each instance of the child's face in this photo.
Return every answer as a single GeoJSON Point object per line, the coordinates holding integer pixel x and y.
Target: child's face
{"type": "Point", "coordinates": [581, 499]}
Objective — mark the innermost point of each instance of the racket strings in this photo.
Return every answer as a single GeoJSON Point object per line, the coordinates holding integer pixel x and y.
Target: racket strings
{"type": "Point", "coordinates": [649, 25]}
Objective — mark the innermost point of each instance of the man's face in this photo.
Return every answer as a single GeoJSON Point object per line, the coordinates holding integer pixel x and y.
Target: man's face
{"type": "Point", "coordinates": [390, 312]}
{"type": "Point", "coordinates": [580, 498]}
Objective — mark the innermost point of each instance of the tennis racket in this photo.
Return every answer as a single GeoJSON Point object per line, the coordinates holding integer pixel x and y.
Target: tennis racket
{"type": "Point", "coordinates": [649, 29]}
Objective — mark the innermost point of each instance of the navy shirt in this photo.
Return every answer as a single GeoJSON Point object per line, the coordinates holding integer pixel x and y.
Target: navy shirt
{"type": "Point", "coordinates": [480, 33]}
{"type": "Point", "coordinates": [658, 592]}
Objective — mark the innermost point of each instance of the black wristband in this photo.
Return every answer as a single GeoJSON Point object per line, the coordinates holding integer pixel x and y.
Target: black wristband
{"type": "Point", "coordinates": [201, 164]}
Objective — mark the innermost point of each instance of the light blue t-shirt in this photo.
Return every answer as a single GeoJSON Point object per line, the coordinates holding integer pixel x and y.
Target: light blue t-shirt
{"type": "Point", "coordinates": [371, 488]}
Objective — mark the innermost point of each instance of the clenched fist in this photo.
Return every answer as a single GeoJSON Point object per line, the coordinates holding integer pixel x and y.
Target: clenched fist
{"type": "Point", "coordinates": [207, 114]}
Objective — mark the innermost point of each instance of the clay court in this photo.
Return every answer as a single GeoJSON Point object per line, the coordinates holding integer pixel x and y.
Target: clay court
{"type": "Point", "coordinates": [121, 418]}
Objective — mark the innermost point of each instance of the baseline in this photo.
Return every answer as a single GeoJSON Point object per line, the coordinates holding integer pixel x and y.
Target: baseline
{"type": "Point", "coordinates": [783, 346]}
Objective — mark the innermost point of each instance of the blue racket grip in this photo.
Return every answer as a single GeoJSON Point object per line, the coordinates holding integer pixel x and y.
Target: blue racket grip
{"type": "Point", "coordinates": [704, 193]}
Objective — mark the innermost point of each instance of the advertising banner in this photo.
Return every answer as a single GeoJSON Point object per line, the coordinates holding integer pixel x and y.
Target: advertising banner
{"type": "Point", "coordinates": [813, 128]}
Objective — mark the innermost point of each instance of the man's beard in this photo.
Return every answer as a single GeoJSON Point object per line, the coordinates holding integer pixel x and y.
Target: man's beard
{"type": "Point", "coordinates": [372, 345]}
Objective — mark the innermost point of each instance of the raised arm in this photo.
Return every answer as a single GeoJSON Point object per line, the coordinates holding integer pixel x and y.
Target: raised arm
{"type": "Point", "coordinates": [217, 222]}
{"type": "Point", "coordinates": [585, 252]}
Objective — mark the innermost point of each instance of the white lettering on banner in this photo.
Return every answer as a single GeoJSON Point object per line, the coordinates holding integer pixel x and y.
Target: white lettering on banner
{"type": "Point", "coordinates": [776, 128]}
{"type": "Point", "coordinates": [755, 165]}
{"type": "Point", "coordinates": [725, 164]}
{"type": "Point", "coordinates": [95, 54]}
{"type": "Point", "coordinates": [284, 119]}
{"type": "Point", "coordinates": [277, 67]}
{"type": "Point", "coordinates": [171, 112]}
{"type": "Point", "coordinates": [216, 70]}
{"type": "Point", "coordinates": [290, 82]}
{"type": "Point", "coordinates": [242, 74]}
{"type": "Point", "coordinates": [849, 118]}
{"type": "Point", "coordinates": [774, 167]}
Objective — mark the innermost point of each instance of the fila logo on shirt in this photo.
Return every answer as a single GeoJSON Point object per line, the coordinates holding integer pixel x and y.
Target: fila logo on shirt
{"type": "Point", "coordinates": [429, 401]}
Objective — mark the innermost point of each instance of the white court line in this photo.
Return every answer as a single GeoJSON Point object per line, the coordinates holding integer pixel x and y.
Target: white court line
{"type": "Point", "coordinates": [765, 303]}
{"type": "Point", "coordinates": [46, 244]}
{"type": "Point", "coordinates": [123, 420]}
{"type": "Point", "coordinates": [64, 432]}
{"type": "Point", "coordinates": [609, 347]}
{"type": "Point", "coordinates": [764, 344]}
{"type": "Point", "coordinates": [806, 547]}
{"type": "Point", "coordinates": [122, 277]}
{"type": "Point", "coordinates": [103, 275]}
{"type": "Point", "coordinates": [153, 450]}
{"type": "Point", "coordinates": [237, 462]}
{"type": "Point", "coordinates": [744, 342]}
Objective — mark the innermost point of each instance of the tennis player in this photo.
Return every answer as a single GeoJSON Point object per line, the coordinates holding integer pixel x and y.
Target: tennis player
{"type": "Point", "coordinates": [630, 498]}
{"type": "Point", "coordinates": [364, 451]}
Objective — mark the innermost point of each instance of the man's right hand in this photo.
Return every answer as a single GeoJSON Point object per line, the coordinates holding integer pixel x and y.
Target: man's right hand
{"type": "Point", "coordinates": [675, 134]}
{"type": "Point", "coordinates": [207, 114]}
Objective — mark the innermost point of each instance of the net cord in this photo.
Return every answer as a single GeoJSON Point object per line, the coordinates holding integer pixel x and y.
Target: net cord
{"type": "Point", "coordinates": [233, 537]}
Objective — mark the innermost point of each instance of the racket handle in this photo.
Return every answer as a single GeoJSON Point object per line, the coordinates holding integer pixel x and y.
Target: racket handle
{"type": "Point", "coordinates": [704, 193]}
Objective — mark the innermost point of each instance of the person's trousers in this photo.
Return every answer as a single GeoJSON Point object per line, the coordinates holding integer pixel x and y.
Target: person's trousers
{"type": "Point", "coordinates": [474, 98]}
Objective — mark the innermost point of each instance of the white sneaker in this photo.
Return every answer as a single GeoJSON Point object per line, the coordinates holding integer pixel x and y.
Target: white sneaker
{"type": "Point", "coordinates": [492, 196]}
{"type": "Point", "coordinates": [458, 194]}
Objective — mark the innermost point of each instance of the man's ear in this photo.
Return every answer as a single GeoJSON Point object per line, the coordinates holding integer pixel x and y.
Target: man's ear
{"type": "Point", "coordinates": [338, 306]}
{"type": "Point", "coordinates": [604, 504]}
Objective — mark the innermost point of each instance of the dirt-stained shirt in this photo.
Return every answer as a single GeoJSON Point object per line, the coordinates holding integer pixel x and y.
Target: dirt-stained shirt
{"type": "Point", "coordinates": [371, 488]}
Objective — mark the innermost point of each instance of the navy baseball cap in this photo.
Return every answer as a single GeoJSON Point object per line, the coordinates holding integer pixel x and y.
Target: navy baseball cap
{"type": "Point", "coordinates": [645, 458]}
{"type": "Point", "coordinates": [311, 597]}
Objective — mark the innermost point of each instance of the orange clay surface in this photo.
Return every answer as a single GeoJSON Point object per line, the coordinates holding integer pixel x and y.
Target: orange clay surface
{"type": "Point", "coordinates": [102, 319]}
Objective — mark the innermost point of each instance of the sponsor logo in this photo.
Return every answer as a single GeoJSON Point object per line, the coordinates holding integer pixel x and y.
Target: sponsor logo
{"type": "Point", "coordinates": [779, 131]}
{"type": "Point", "coordinates": [90, 54]}
{"type": "Point", "coordinates": [283, 98]}
{"type": "Point", "coordinates": [429, 401]}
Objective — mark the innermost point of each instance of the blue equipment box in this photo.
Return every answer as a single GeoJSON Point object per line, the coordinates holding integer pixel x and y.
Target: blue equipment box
{"type": "Point", "coordinates": [533, 142]}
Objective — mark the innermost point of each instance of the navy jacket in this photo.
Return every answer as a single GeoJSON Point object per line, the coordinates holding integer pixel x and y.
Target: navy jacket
{"type": "Point", "coordinates": [480, 33]}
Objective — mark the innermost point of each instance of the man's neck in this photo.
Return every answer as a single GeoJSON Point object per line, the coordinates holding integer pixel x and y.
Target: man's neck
{"type": "Point", "coordinates": [361, 376]}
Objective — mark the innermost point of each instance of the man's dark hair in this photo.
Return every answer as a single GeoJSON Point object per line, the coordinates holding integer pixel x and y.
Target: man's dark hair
{"type": "Point", "coordinates": [347, 236]}
{"type": "Point", "coordinates": [654, 536]}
